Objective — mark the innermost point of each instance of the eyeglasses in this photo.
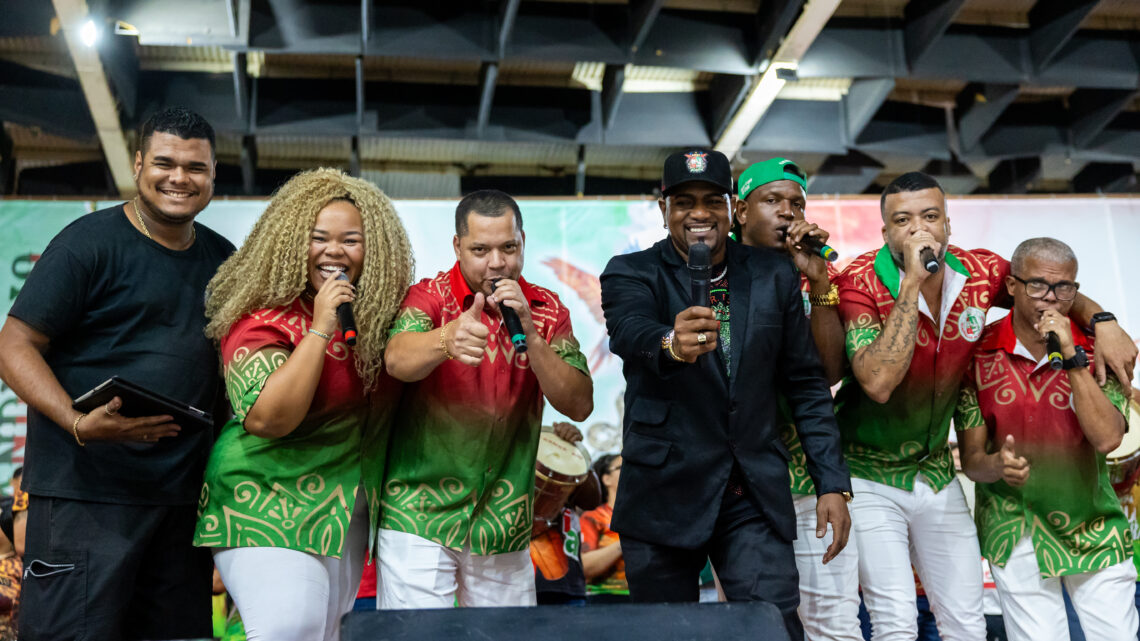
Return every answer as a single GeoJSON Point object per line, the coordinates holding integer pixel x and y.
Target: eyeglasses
{"type": "Point", "coordinates": [1038, 288]}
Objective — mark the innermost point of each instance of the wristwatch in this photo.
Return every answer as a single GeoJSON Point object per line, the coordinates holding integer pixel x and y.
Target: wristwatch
{"type": "Point", "coordinates": [830, 299]}
{"type": "Point", "coordinates": [847, 496]}
{"type": "Point", "coordinates": [667, 345]}
{"type": "Point", "coordinates": [1079, 360]}
{"type": "Point", "coordinates": [1100, 316]}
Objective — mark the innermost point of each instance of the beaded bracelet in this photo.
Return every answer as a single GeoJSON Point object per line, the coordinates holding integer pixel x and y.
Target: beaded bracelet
{"type": "Point", "coordinates": [320, 334]}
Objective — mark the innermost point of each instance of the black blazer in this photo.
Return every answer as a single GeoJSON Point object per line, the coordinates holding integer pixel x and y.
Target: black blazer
{"type": "Point", "coordinates": [685, 424]}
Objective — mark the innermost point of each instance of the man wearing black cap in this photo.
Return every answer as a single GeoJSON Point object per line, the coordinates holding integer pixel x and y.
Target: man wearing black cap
{"type": "Point", "coordinates": [704, 471]}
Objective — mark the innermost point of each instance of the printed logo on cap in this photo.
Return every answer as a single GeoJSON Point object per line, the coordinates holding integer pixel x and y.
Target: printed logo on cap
{"type": "Point", "coordinates": [696, 161]}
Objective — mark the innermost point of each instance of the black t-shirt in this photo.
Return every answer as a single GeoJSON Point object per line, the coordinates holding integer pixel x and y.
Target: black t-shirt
{"type": "Point", "coordinates": [113, 302]}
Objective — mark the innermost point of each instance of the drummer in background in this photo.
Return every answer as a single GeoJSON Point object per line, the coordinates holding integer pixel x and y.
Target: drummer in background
{"type": "Point", "coordinates": [460, 477]}
{"type": "Point", "coordinates": [1034, 440]}
{"type": "Point", "coordinates": [556, 545]}
{"type": "Point", "coordinates": [601, 550]}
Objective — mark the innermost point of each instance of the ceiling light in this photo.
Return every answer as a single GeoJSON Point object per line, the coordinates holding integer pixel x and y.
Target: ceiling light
{"type": "Point", "coordinates": [88, 33]}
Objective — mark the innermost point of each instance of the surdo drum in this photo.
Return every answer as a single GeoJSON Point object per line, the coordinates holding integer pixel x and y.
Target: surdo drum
{"type": "Point", "coordinates": [560, 468]}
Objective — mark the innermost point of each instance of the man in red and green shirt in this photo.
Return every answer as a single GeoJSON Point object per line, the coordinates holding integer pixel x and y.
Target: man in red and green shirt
{"type": "Point", "coordinates": [772, 199]}
{"type": "Point", "coordinates": [910, 336]}
{"type": "Point", "coordinates": [1046, 511]}
{"type": "Point", "coordinates": [456, 513]}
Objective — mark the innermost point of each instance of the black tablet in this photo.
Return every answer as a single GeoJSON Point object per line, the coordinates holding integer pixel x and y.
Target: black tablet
{"type": "Point", "coordinates": [139, 401]}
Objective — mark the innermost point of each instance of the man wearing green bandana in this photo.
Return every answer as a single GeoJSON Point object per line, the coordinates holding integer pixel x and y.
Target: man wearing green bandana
{"type": "Point", "coordinates": [910, 336]}
{"type": "Point", "coordinates": [770, 210]}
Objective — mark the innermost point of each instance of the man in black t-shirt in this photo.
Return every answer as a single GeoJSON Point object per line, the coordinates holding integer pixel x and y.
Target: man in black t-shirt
{"type": "Point", "coordinates": [120, 292]}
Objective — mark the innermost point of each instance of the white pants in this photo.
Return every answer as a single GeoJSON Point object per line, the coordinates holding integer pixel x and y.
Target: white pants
{"type": "Point", "coordinates": [829, 594]}
{"type": "Point", "coordinates": [1035, 610]}
{"type": "Point", "coordinates": [414, 572]}
{"type": "Point", "coordinates": [896, 529]}
{"type": "Point", "coordinates": [288, 595]}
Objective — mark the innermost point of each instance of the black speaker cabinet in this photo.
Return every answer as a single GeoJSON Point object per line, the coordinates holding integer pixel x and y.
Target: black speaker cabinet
{"type": "Point", "coordinates": [755, 621]}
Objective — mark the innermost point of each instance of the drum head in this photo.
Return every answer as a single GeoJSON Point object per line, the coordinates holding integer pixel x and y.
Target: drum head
{"type": "Point", "coordinates": [562, 458]}
{"type": "Point", "coordinates": [1130, 444]}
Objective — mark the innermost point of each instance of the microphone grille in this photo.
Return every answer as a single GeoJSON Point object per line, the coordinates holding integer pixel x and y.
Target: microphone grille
{"type": "Point", "coordinates": [700, 256]}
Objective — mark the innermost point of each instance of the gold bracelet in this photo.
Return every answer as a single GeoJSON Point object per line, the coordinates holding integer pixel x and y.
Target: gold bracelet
{"type": "Point", "coordinates": [320, 334]}
{"type": "Point", "coordinates": [830, 299]}
{"type": "Point", "coordinates": [443, 341]}
{"type": "Point", "coordinates": [75, 430]}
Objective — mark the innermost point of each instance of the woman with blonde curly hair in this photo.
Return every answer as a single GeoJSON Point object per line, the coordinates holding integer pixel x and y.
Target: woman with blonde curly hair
{"type": "Point", "coordinates": [291, 490]}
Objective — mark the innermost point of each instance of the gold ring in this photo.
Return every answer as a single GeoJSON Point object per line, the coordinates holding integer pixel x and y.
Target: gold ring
{"type": "Point", "coordinates": [702, 339]}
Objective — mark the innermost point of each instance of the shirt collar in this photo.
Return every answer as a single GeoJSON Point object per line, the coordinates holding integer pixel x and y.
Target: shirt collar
{"type": "Point", "coordinates": [1001, 337]}
{"type": "Point", "coordinates": [464, 296]}
{"type": "Point", "coordinates": [888, 271]}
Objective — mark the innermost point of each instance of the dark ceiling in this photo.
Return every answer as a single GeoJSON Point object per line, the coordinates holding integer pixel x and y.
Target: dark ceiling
{"type": "Point", "coordinates": [558, 97]}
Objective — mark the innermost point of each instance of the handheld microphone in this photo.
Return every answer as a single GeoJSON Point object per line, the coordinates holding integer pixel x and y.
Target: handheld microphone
{"type": "Point", "coordinates": [1053, 348]}
{"type": "Point", "coordinates": [511, 320]}
{"type": "Point", "coordinates": [345, 317]}
{"type": "Point", "coordinates": [816, 246]}
{"type": "Point", "coordinates": [928, 260]}
{"type": "Point", "coordinates": [700, 273]}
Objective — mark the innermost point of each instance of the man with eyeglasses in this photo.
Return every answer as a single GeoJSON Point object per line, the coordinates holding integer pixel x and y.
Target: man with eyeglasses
{"type": "Point", "coordinates": [910, 335]}
{"type": "Point", "coordinates": [1034, 439]}
{"type": "Point", "coordinates": [704, 473]}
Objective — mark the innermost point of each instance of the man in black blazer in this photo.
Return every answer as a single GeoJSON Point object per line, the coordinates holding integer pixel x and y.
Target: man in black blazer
{"type": "Point", "coordinates": [704, 470]}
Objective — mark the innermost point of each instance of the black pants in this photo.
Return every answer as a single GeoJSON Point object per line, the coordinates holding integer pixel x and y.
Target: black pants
{"type": "Point", "coordinates": [98, 571]}
{"type": "Point", "coordinates": [752, 562]}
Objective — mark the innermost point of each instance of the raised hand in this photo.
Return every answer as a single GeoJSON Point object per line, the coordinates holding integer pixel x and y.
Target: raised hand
{"type": "Point", "coordinates": [466, 336]}
{"type": "Point", "coordinates": [1014, 468]}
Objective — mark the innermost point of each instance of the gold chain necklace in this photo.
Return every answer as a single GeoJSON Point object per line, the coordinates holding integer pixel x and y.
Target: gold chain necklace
{"type": "Point", "coordinates": [146, 232]}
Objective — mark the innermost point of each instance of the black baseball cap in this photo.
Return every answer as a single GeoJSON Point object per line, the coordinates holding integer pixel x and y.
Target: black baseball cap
{"type": "Point", "coordinates": [691, 165]}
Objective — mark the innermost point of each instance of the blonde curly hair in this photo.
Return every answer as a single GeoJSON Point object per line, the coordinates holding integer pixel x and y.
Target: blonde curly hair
{"type": "Point", "coordinates": [271, 268]}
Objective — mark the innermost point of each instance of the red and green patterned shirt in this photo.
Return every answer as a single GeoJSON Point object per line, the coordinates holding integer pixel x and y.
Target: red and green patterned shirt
{"type": "Point", "coordinates": [797, 463]}
{"type": "Point", "coordinates": [892, 442]}
{"type": "Point", "coordinates": [1067, 504]}
{"type": "Point", "coordinates": [461, 462]}
{"type": "Point", "coordinates": [297, 491]}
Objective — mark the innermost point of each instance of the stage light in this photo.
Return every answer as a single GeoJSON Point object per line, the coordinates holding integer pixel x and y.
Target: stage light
{"type": "Point", "coordinates": [89, 33]}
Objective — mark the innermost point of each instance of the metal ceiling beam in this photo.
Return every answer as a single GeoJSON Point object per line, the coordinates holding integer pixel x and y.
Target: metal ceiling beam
{"type": "Point", "coordinates": [955, 177]}
{"type": "Point", "coordinates": [763, 92]}
{"type": "Point", "coordinates": [868, 50]}
{"type": "Point", "coordinates": [359, 67]}
{"type": "Point", "coordinates": [1014, 176]}
{"type": "Point", "coordinates": [642, 15]}
{"type": "Point", "coordinates": [580, 174]}
{"type": "Point", "coordinates": [7, 163]}
{"type": "Point", "coordinates": [1051, 24]}
{"type": "Point", "coordinates": [980, 106]}
{"type": "Point", "coordinates": [488, 75]}
{"type": "Point", "coordinates": [862, 102]}
{"type": "Point", "coordinates": [241, 89]}
{"type": "Point", "coordinates": [39, 99]}
{"type": "Point", "coordinates": [851, 173]}
{"type": "Point", "coordinates": [774, 19]}
{"type": "Point", "coordinates": [365, 24]}
{"type": "Point", "coordinates": [925, 22]}
{"type": "Point", "coordinates": [354, 158]}
{"type": "Point", "coordinates": [726, 93]}
{"type": "Point", "coordinates": [1106, 177]}
{"type": "Point", "coordinates": [613, 83]}
{"type": "Point", "coordinates": [508, 11]}
{"type": "Point", "coordinates": [248, 162]}
{"type": "Point", "coordinates": [1094, 109]}
{"type": "Point", "coordinates": [100, 99]}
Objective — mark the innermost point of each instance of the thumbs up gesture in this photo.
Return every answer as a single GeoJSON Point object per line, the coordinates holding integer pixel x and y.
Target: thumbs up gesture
{"type": "Point", "coordinates": [1014, 468]}
{"type": "Point", "coordinates": [466, 336]}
